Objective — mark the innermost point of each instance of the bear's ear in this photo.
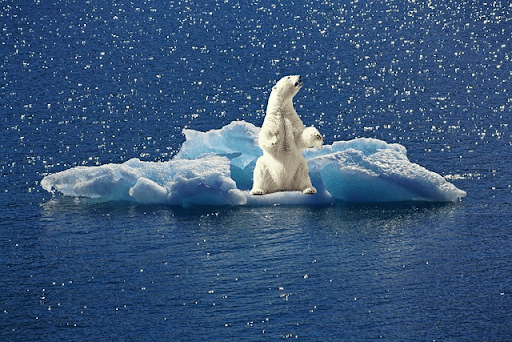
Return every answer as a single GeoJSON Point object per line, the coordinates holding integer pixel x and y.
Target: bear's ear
{"type": "Point", "coordinates": [274, 88]}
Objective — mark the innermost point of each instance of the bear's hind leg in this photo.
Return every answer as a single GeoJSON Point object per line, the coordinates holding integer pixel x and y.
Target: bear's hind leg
{"type": "Point", "coordinates": [259, 178]}
{"type": "Point", "coordinates": [302, 175]}
{"type": "Point", "coordinates": [309, 191]}
{"type": "Point", "coordinates": [257, 191]}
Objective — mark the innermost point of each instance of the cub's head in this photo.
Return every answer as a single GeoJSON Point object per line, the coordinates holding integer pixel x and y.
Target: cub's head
{"type": "Point", "coordinates": [288, 86]}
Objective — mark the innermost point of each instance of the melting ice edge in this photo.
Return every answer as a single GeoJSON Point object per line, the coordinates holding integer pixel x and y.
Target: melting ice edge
{"type": "Point", "coordinates": [216, 167]}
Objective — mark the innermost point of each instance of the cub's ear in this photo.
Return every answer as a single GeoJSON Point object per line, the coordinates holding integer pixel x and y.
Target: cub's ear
{"type": "Point", "coordinates": [274, 88]}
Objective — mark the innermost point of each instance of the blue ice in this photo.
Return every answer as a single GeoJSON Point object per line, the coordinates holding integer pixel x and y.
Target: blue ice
{"type": "Point", "coordinates": [215, 168]}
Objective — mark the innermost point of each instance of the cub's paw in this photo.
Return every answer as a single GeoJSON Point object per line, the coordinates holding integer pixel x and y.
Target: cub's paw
{"type": "Point", "coordinates": [309, 191]}
{"type": "Point", "coordinates": [257, 191]}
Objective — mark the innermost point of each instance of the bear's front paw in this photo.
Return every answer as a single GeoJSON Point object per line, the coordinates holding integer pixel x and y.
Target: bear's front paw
{"type": "Point", "coordinates": [311, 137]}
{"type": "Point", "coordinates": [309, 191]}
{"type": "Point", "coordinates": [318, 140]}
{"type": "Point", "coordinates": [257, 191]}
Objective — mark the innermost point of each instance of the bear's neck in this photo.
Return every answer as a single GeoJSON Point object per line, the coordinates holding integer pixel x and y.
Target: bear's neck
{"type": "Point", "coordinates": [277, 103]}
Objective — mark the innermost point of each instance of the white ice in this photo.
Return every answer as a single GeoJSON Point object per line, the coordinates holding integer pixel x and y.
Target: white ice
{"type": "Point", "coordinates": [215, 168]}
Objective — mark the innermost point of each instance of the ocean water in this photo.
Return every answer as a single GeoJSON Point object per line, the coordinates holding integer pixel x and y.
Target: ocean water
{"type": "Point", "coordinates": [91, 83]}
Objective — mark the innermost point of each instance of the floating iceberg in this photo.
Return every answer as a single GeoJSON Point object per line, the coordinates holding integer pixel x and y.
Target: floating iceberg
{"type": "Point", "coordinates": [215, 168]}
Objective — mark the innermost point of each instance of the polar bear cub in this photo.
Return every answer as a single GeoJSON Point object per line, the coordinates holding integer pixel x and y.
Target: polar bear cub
{"type": "Point", "coordinates": [282, 138]}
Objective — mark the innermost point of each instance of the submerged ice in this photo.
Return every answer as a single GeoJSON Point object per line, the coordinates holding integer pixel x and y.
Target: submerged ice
{"type": "Point", "coordinates": [215, 168]}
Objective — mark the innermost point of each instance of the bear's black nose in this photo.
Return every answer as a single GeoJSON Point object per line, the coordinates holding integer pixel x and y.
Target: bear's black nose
{"type": "Point", "coordinates": [298, 82]}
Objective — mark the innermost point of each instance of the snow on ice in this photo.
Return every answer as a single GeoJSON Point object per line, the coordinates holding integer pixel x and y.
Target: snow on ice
{"type": "Point", "coordinates": [215, 168]}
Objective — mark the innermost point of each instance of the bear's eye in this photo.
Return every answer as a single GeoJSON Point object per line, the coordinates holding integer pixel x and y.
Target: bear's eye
{"type": "Point", "coordinates": [296, 84]}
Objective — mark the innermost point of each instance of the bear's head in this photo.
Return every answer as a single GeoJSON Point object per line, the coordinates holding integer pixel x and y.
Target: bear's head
{"type": "Point", "coordinates": [288, 86]}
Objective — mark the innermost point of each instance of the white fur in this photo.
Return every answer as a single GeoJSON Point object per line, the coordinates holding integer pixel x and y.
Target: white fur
{"type": "Point", "coordinates": [282, 138]}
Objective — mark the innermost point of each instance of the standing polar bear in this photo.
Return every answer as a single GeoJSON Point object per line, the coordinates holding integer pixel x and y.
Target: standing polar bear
{"type": "Point", "coordinates": [282, 138]}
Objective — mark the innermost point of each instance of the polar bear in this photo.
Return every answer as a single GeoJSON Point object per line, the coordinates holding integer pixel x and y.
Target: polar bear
{"type": "Point", "coordinates": [282, 138]}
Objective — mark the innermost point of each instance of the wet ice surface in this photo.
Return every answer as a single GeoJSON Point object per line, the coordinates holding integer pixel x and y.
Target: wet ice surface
{"type": "Point", "coordinates": [90, 84]}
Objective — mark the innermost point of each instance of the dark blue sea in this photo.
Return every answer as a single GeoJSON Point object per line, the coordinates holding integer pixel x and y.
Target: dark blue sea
{"type": "Point", "coordinates": [88, 83]}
